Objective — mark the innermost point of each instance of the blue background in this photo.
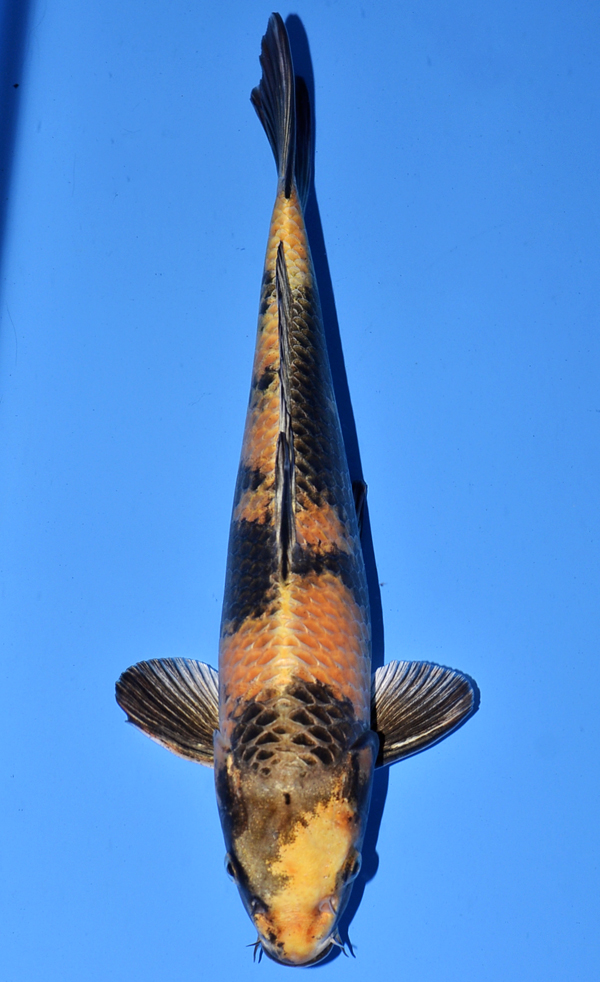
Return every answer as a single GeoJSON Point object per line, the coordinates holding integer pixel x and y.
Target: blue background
{"type": "Point", "coordinates": [457, 184]}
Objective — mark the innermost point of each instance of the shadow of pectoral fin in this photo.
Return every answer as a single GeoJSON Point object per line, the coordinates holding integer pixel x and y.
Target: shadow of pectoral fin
{"type": "Point", "coordinates": [417, 704]}
{"type": "Point", "coordinates": [175, 702]}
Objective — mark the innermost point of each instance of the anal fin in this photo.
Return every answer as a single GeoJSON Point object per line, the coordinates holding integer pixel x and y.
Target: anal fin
{"type": "Point", "coordinates": [415, 704]}
{"type": "Point", "coordinates": [175, 701]}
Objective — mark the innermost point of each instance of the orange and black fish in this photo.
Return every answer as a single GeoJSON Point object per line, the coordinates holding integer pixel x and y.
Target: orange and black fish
{"type": "Point", "coordinates": [294, 724]}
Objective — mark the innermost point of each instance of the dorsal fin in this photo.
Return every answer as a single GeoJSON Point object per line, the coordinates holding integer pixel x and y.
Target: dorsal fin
{"type": "Point", "coordinates": [284, 468]}
{"type": "Point", "coordinates": [274, 99]}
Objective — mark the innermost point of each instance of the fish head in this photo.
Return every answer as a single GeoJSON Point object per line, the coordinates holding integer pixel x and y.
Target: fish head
{"type": "Point", "coordinates": [294, 846]}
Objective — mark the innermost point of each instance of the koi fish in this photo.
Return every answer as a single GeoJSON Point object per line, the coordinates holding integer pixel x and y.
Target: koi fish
{"type": "Point", "coordinates": [293, 723]}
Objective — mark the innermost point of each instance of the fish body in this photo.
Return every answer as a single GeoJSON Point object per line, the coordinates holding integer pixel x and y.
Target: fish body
{"type": "Point", "coordinates": [295, 753]}
{"type": "Point", "coordinates": [294, 723]}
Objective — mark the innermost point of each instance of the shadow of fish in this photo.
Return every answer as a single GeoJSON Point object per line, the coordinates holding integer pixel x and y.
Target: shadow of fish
{"type": "Point", "coordinates": [293, 723]}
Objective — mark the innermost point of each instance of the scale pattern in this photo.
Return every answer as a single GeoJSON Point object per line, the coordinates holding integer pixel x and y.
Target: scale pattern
{"type": "Point", "coordinates": [307, 723]}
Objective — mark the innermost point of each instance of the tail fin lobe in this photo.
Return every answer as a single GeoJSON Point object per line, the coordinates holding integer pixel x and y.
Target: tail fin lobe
{"type": "Point", "coordinates": [274, 99]}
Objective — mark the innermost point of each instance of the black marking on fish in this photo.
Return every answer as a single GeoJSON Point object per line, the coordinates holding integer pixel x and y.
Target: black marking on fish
{"type": "Point", "coordinates": [266, 295]}
{"type": "Point", "coordinates": [251, 570]}
{"type": "Point", "coordinates": [332, 560]}
{"type": "Point", "coordinates": [357, 776]}
{"type": "Point", "coordinates": [306, 722]}
{"type": "Point", "coordinates": [232, 805]}
{"type": "Point", "coordinates": [274, 99]}
{"type": "Point", "coordinates": [249, 479]}
{"type": "Point", "coordinates": [265, 381]}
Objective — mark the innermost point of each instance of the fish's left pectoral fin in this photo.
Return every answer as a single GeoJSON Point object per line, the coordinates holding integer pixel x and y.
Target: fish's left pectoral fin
{"type": "Point", "coordinates": [175, 701]}
{"type": "Point", "coordinates": [416, 704]}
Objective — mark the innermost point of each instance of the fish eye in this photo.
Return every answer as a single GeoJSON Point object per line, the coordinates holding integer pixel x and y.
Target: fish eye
{"type": "Point", "coordinates": [229, 867]}
{"type": "Point", "coordinates": [353, 868]}
{"type": "Point", "coordinates": [257, 906]}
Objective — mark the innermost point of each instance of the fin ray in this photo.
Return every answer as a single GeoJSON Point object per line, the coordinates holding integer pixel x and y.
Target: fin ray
{"type": "Point", "coordinates": [417, 704]}
{"type": "Point", "coordinates": [175, 702]}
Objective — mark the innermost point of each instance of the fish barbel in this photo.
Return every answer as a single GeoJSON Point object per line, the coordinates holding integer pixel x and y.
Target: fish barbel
{"type": "Point", "coordinates": [294, 724]}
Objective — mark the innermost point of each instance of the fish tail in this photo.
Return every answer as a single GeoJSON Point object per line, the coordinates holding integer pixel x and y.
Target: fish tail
{"type": "Point", "coordinates": [283, 107]}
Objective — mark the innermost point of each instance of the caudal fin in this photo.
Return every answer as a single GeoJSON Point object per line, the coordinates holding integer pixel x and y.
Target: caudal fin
{"type": "Point", "coordinates": [283, 108]}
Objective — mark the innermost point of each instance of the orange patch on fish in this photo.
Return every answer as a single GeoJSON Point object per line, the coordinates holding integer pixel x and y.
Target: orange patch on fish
{"type": "Point", "coordinates": [262, 425]}
{"type": "Point", "coordinates": [314, 630]}
{"type": "Point", "coordinates": [255, 506]}
{"type": "Point", "coordinates": [320, 528]}
{"type": "Point", "coordinates": [287, 226]}
{"type": "Point", "coordinates": [260, 436]}
{"type": "Point", "coordinates": [302, 912]}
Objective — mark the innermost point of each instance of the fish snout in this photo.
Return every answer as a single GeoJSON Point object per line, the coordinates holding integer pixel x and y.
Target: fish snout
{"type": "Point", "coordinates": [303, 939]}
{"type": "Point", "coordinates": [298, 958]}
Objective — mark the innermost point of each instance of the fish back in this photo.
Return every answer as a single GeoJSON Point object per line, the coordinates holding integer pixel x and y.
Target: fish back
{"type": "Point", "coordinates": [296, 608]}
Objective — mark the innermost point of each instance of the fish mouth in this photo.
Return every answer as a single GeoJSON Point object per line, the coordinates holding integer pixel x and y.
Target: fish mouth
{"type": "Point", "coordinates": [275, 956]}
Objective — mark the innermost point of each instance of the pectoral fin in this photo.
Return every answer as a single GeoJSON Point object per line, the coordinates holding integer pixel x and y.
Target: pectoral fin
{"type": "Point", "coordinates": [174, 701]}
{"type": "Point", "coordinates": [415, 704]}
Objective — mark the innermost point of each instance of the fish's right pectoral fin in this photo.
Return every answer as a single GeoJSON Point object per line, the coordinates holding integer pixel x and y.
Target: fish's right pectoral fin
{"type": "Point", "coordinates": [175, 701]}
{"type": "Point", "coordinates": [416, 704]}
